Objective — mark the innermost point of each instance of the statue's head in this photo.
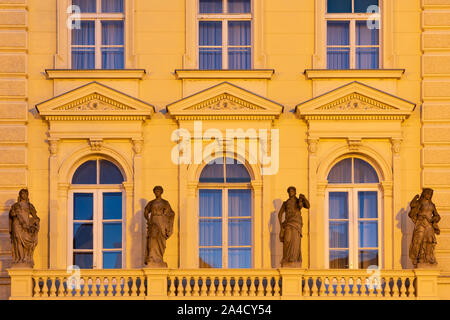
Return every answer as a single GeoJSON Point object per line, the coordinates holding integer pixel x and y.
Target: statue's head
{"type": "Point", "coordinates": [23, 195]}
{"type": "Point", "coordinates": [158, 191]}
{"type": "Point", "coordinates": [427, 193]}
{"type": "Point", "coordinates": [292, 191]}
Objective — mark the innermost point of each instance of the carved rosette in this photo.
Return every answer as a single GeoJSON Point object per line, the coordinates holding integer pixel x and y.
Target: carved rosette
{"type": "Point", "coordinates": [96, 144]}
{"type": "Point", "coordinates": [354, 144]}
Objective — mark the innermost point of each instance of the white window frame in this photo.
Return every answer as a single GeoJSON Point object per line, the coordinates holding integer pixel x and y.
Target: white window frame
{"type": "Point", "coordinates": [224, 18]}
{"type": "Point", "coordinates": [352, 18]}
{"type": "Point", "coordinates": [98, 17]}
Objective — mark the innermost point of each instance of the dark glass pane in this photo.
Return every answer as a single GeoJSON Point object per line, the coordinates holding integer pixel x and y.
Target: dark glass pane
{"type": "Point", "coordinates": [341, 172]}
{"type": "Point", "coordinates": [364, 172]}
{"type": "Point", "coordinates": [112, 260]}
{"type": "Point", "coordinates": [368, 204]}
{"type": "Point", "coordinates": [213, 172]}
{"type": "Point", "coordinates": [113, 58]}
{"type": "Point", "coordinates": [240, 58]}
{"type": "Point", "coordinates": [338, 235]}
{"type": "Point", "coordinates": [239, 6]}
{"type": "Point", "coordinates": [237, 172]}
{"type": "Point", "coordinates": [368, 258]}
{"type": "Point", "coordinates": [240, 203]}
{"type": "Point", "coordinates": [112, 235]}
{"type": "Point", "coordinates": [210, 58]}
{"type": "Point", "coordinates": [211, 6]}
{"type": "Point", "coordinates": [83, 260]}
{"type": "Point", "coordinates": [338, 58]}
{"type": "Point", "coordinates": [83, 237]}
{"type": "Point", "coordinates": [239, 33]}
{"type": "Point", "coordinates": [85, 36]}
{"type": "Point", "coordinates": [210, 203]}
{"type": "Point", "coordinates": [83, 58]}
{"type": "Point", "coordinates": [239, 232]}
{"type": "Point", "coordinates": [362, 6]}
{"type": "Point", "coordinates": [86, 173]}
{"type": "Point", "coordinates": [368, 234]}
{"type": "Point", "coordinates": [112, 206]}
{"type": "Point", "coordinates": [210, 232]}
{"type": "Point", "coordinates": [338, 205]}
{"type": "Point", "coordinates": [339, 259]}
{"type": "Point", "coordinates": [367, 58]}
{"type": "Point", "coordinates": [86, 6]}
{"type": "Point", "coordinates": [366, 36]}
{"type": "Point", "coordinates": [112, 6]}
{"type": "Point", "coordinates": [338, 33]}
{"type": "Point", "coordinates": [112, 33]}
{"type": "Point", "coordinates": [240, 258]}
{"type": "Point", "coordinates": [83, 206]}
{"type": "Point", "coordinates": [210, 258]}
{"type": "Point", "coordinates": [339, 6]}
{"type": "Point", "coordinates": [109, 173]}
{"type": "Point", "coordinates": [210, 33]}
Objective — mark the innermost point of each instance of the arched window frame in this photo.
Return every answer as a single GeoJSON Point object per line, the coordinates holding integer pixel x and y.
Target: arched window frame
{"type": "Point", "coordinates": [97, 190]}
{"type": "Point", "coordinates": [352, 189]}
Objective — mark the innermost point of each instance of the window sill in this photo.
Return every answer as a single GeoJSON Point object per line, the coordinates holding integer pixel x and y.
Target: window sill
{"type": "Point", "coordinates": [95, 74]}
{"type": "Point", "coordinates": [312, 74]}
{"type": "Point", "coordinates": [225, 74]}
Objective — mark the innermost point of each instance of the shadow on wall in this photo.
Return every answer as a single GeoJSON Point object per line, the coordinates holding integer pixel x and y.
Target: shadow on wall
{"type": "Point", "coordinates": [138, 234]}
{"type": "Point", "coordinates": [276, 248]}
{"type": "Point", "coordinates": [5, 245]}
{"type": "Point", "coordinates": [405, 224]}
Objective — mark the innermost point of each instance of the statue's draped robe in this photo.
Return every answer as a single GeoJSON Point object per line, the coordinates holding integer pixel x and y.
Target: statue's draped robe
{"type": "Point", "coordinates": [292, 232]}
{"type": "Point", "coordinates": [424, 240]}
{"type": "Point", "coordinates": [159, 226]}
{"type": "Point", "coordinates": [24, 232]}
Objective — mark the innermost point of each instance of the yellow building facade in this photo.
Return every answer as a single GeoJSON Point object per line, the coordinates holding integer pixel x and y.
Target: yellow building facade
{"type": "Point", "coordinates": [291, 89]}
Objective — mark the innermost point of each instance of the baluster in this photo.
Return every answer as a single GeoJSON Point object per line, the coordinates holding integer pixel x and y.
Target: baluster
{"type": "Point", "coordinates": [346, 286]}
{"type": "Point", "coordinates": [403, 287]}
{"type": "Point", "coordinates": [371, 286]}
{"type": "Point", "coordinates": [395, 290]}
{"type": "Point", "coordinates": [363, 287]}
{"type": "Point", "coordinates": [220, 288]}
{"type": "Point", "coordinates": [108, 288]}
{"type": "Point", "coordinates": [252, 289]}
{"type": "Point", "coordinates": [102, 287]}
{"type": "Point", "coordinates": [134, 286]}
{"type": "Point", "coordinates": [36, 289]}
{"type": "Point", "coordinates": [260, 292]}
{"type": "Point", "coordinates": [196, 288]}
{"type": "Point", "coordinates": [235, 289]}
{"type": "Point", "coordinates": [52, 289]}
{"type": "Point", "coordinates": [378, 287]}
{"type": "Point", "coordinates": [277, 288]}
{"type": "Point", "coordinates": [228, 287]}
{"type": "Point", "coordinates": [204, 288]}
{"type": "Point", "coordinates": [78, 287]}
{"type": "Point", "coordinates": [305, 289]}
{"type": "Point", "coordinates": [322, 286]}
{"type": "Point", "coordinates": [355, 281]}
{"type": "Point", "coordinates": [314, 288]}
{"type": "Point", "coordinates": [60, 289]}
{"type": "Point", "coordinates": [339, 287]}
{"type": "Point", "coordinates": [172, 286]}
{"type": "Point", "coordinates": [85, 287]}
{"type": "Point", "coordinates": [45, 287]}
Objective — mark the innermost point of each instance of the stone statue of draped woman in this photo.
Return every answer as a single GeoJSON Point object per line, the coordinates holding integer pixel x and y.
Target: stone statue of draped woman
{"type": "Point", "coordinates": [160, 218]}
{"type": "Point", "coordinates": [23, 229]}
{"type": "Point", "coordinates": [291, 228]}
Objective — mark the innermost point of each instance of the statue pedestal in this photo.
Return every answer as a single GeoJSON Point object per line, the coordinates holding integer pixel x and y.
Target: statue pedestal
{"type": "Point", "coordinates": [426, 266]}
{"type": "Point", "coordinates": [291, 264]}
{"type": "Point", "coordinates": [22, 266]}
{"type": "Point", "coordinates": [156, 265]}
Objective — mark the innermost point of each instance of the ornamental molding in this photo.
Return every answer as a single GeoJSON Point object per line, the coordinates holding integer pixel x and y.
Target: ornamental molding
{"type": "Point", "coordinates": [225, 101]}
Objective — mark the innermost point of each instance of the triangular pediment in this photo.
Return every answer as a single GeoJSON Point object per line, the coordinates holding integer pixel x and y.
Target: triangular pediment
{"type": "Point", "coordinates": [225, 101]}
{"type": "Point", "coordinates": [93, 101]}
{"type": "Point", "coordinates": [355, 101]}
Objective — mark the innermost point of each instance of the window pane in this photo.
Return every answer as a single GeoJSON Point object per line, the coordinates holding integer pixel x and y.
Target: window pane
{"type": "Point", "coordinates": [240, 258]}
{"type": "Point", "coordinates": [338, 205]}
{"type": "Point", "coordinates": [210, 258]}
{"type": "Point", "coordinates": [338, 58]}
{"type": "Point", "coordinates": [210, 58]}
{"type": "Point", "coordinates": [83, 237]}
{"type": "Point", "coordinates": [341, 172]}
{"type": "Point", "coordinates": [83, 206]}
{"type": "Point", "coordinates": [210, 203]}
{"type": "Point", "coordinates": [240, 58]}
{"type": "Point", "coordinates": [86, 6]}
{"type": "Point", "coordinates": [368, 204]}
{"type": "Point", "coordinates": [83, 260]}
{"type": "Point", "coordinates": [363, 5]}
{"type": "Point", "coordinates": [364, 172]}
{"type": "Point", "coordinates": [368, 258]}
{"type": "Point", "coordinates": [112, 206]}
{"type": "Point", "coordinates": [112, 33]}
{"type": "Point", "coordinates": [112, 235]}
{"type": "Point", "coordinates": [366, 36]}
{"type": "Point", "coordinates": [85, 36]}
{"type": "Point", "coordinates": [112, 6]}
{"type": "Point", "coordinates": [210, 232]}
{"type": "Point", "coordinates": [213, 172]}
{"type": "Point", "coordinates": [112, 260]}
{"type": "Point", "coordinates": [239, 203]}
{"type": "Point", "coordinates": [368, 234]}
{"type": "Point", "coordinates": [338, 234]}
{"type": "Point", "coordinates": [367, 58]}
{"type": "Point", "coordinates": [339, 6]}
{"type": "Point", "coordinates": [338, 33]}
{"type": "Point", "coordinates": [237, 172]}
{"type": "Point", "coordinates": [86, 173]}
{"type": "Point", "coordinates": [239, 33]}
{"type": "Point", "coordinates": [109, 173]}
{"type": "Point", "coordinates": [211, 6]}
{"type": "Point", "coordinates": [113, 58]}
{"type": "Point", "coordinates": [210, 33]}
{"type": "Point", "coordinates": [240, 232]}
{"type": "Point", "coordinates": [239, 6]}
{"type": "Point", "coordinates": [83, 58]}
{"type": "Point", "coordinates": [339, 259]}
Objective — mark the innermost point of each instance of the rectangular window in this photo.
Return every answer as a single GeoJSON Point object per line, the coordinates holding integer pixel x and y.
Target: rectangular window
{"type": "Point", "coordinates": [225, 34]}
{"type": "Point", "coordinates": [99, 40]}
{"type": "Point", "coordinates": [353, 39]}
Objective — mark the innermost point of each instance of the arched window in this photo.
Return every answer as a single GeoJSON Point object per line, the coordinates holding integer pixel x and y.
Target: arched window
{"type": "Point", "coordinates": [354, 207]}
{"type": "Point", "coordinates": [97, 204]}
{"type": "Point", "coordinates": [225, 215]}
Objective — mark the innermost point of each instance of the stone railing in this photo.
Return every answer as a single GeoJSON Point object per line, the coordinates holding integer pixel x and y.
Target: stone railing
{"type": "Point", "coordinates": [227, 284]}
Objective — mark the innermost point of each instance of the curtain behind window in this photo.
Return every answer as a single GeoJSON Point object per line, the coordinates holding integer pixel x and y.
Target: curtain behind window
{"type": "Point", "coordinates": [210, 36]}
{"type": "Point", "coordinates": [83, 55]}
{"type": "Point", "coordinates": [338, 36]}
{"type": "Point", "coordinates": [239, 34]}
{"type": "Point", "coordinates": [112, 6]}
{"type": "Point", "coordinates": [112, 35]}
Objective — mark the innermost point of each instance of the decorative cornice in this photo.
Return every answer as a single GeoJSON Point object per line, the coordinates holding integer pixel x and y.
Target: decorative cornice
{"type": "Point", "coordinates": [225, 74]}
{"type": "Point", "coordinates": [354, 74]}
{"type": "Point", "coordinates": [225, 102]}
{"type": "Point", "coordinates": [356, 102]}
{"type": "Point", "coordinates": [94, 117]}
{"type": "Point", "coordinates": [137, 74]}
{"type": "Point", "coordinates": [95, 102]}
